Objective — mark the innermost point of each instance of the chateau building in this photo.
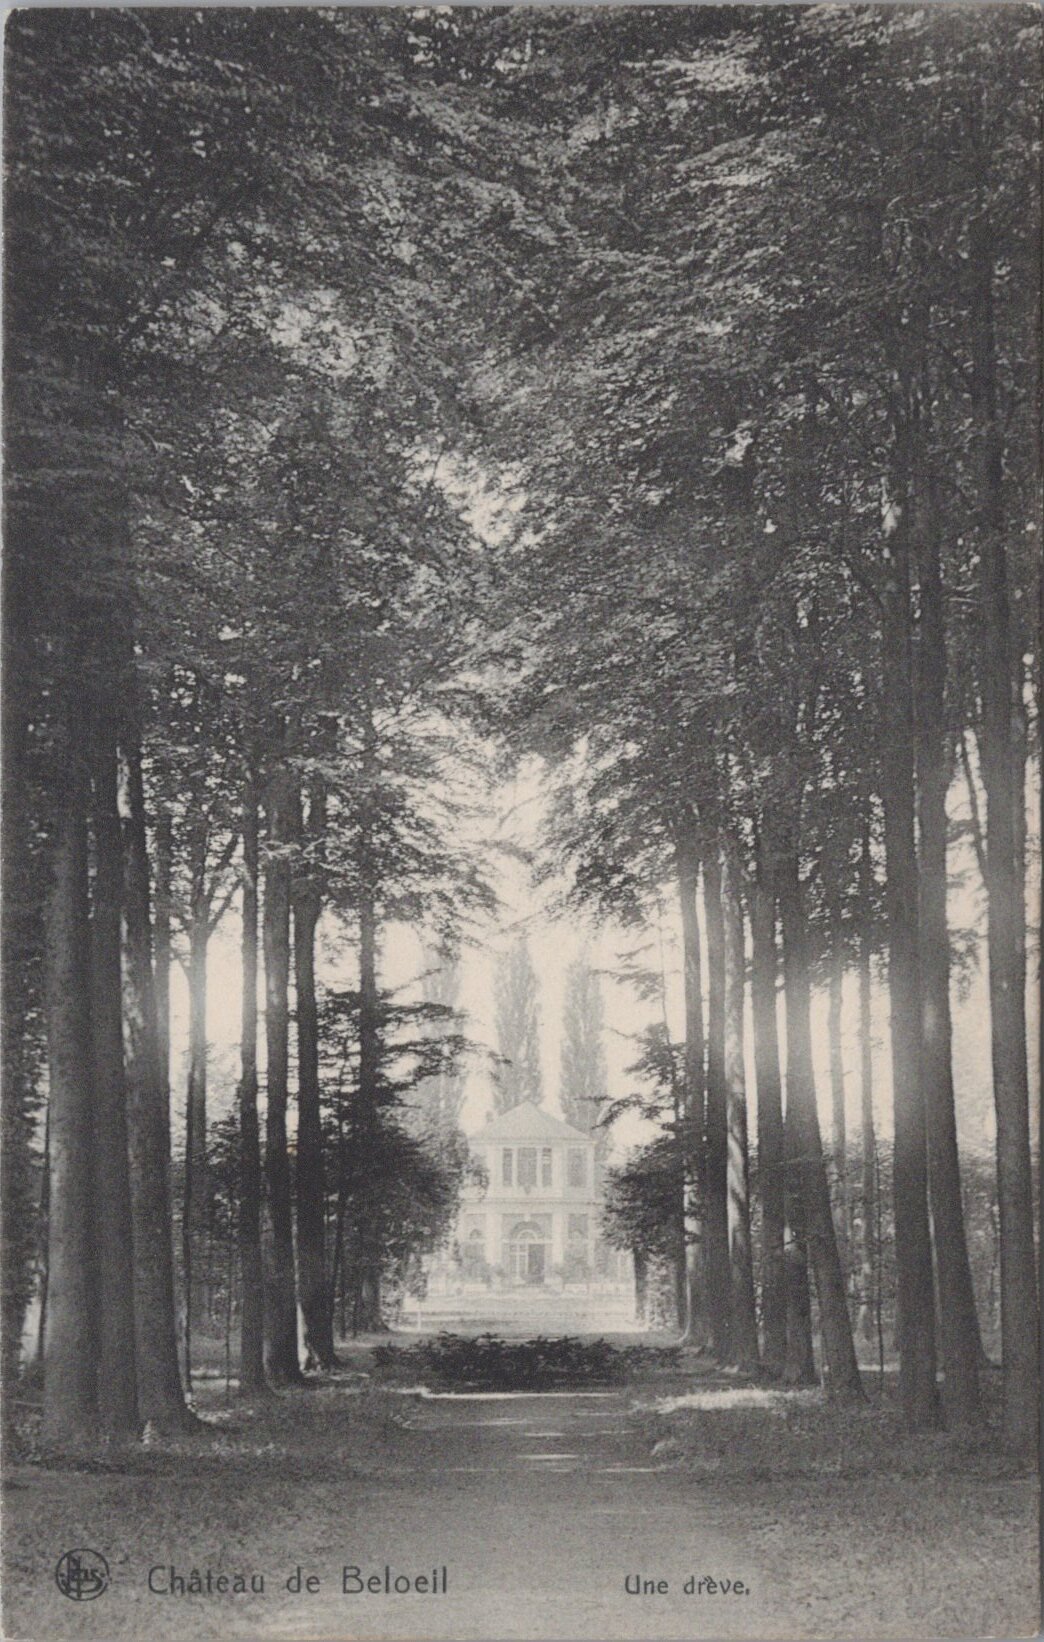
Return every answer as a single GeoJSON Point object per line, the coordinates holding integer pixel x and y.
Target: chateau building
{"type": "Point", "coordinates": [537, 1220]}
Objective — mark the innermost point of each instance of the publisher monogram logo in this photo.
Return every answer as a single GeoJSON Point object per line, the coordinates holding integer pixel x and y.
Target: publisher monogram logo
{"type": "Point", "coordinates": [82, 1575]}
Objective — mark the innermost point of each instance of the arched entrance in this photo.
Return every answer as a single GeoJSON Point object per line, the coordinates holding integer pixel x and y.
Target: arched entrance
{"type": "Point", "coordinates": [528, 1253]}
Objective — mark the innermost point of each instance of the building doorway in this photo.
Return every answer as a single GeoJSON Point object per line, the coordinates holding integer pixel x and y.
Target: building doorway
{"type": "Point", "coordinates": [527, 1255]}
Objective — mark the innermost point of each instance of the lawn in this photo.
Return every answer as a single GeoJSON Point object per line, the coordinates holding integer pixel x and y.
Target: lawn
{"type": "Point", "coordinates": [847, 1526]}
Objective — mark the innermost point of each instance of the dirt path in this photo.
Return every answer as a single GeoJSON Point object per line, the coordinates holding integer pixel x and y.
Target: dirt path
{"type": "Point", "coordinates": [540, 1508]}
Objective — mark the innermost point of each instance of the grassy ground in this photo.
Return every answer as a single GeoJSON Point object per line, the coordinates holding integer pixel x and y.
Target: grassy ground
{"type": "Point", "coordinates": [935, 1534]}
{"type": "Point", "coordinates": [842, 1524]}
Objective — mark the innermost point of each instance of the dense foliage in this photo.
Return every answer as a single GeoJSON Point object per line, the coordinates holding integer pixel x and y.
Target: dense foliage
{"type": "Point", "coordinates": [398, 395]}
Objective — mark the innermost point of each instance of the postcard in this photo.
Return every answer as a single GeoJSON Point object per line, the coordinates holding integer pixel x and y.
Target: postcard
{"type": "Point", "coordinates": [522, 822]}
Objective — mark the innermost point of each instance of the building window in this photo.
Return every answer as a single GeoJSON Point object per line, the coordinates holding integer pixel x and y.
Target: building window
{"type": "Point", "coordinates": [577, 1167]}
{"type": "Point", "coordinates": [578, 1227]}
{"type": "Point", "coordinates": [509, 1160]}
{"type": "Point", "coordinates": [474, 1254]}
{"type": "Point", "coordinates": [545, 1166]}
{"type": "Point", "coordinates": [527, 1166]}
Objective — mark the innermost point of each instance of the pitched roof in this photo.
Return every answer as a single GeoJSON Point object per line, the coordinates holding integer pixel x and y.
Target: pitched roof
{"type": "Point", "coordinates": [527, 1122]}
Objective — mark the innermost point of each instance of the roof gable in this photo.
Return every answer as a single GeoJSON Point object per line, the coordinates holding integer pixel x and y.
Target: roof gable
{"type": "Point", "coordinates": [527, 1122]}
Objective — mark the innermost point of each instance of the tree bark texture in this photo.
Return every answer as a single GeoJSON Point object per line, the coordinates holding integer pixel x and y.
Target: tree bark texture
{"type": "Point", "coordinates": [314, 1291]}
{"type": "Point", "coordinates": [799, 1368]}
{"type": "Point", "coordinates": [697, 1327]}
{"type": "Point", "coordinates": [717, 1275]}
{"type": "Point", "coordinates": [743, 1327]}
{"type": "Point", "coordinates": [251, 1339]}
{"type": "Point", "coordinates": [280, 1291]}
{"type": "Point", "coordinates": [868, 1138]}
{"type": "Point", "coordinates": [21, 1226]}
{"type": "Point", "coordinates": [162, 951]}
{"type": "Point", "coordinates": [367, 1302]}
{"type": "Point", "coordinates": [71, 1340]}
{"type": "Point", "coordinates": [1019, 1306]}
{"type": "Point", "coordinates": [915, 1299]}
{"type": "Point", "coordinates": [160, 1397]}
{"type": "Point", "coordinates": [771, 1156]}
{"type": "Point", "coordinates": [195, 1207]}
{"type": "Point", "coordinates": [840, 1370]}
{"type": "Point", "coordinates": [958, 1323]}
{"type": "Point", "coordinates": [838, 1118]}
{"type": "Point", "coordinates": [117, 1375]}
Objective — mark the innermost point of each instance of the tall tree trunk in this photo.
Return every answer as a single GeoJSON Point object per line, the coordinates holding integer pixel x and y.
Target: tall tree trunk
{"type": "Point", "coordinates": [315, 1294]}
{"type": "Point", "coordinates": [868, 1139]}
{"type": "Point", "coordinates": [799, 1367]}
{"type": "Point", "coordinates": [160, 1398]}
{"type": "Point", "coordinates": [365, 1262]}
{"type": "Point", "coordinates": [251, 1317]}
{"type": "Point", "coordinates": [21, 1226]}
{"type": "Point", "coordinates": [195, 1209]}
{"type": "Point", "coordinates": [44, 1218]}
{"type": "Point", "coordinates": [692, 1128]}
{"type": "Point", "coordinates": [280, 1299]}
{"type": "Point", "coordinates": [771, 1156]}
{"type": "Point", "coordinates": [840, 1370]}
{"type": "Point", "coordinates": [958, 1323]}
{"type": "Point", "coordinates": [163, 948]}
{"type": "Point", "coordinates": [71, 1344]}
{"type": "Point", "coordinates": [838, 1121]}
{"type": "Point", "coordinates": [717, 1275]}
{"type": "Point", "coordinates": [117, 1376]}
{"type": "Point", "coordinates": [1006, 913]}
{"type": "Point", "coordinates": [913, 1250]}
{"type": "Point", "coordinates": [743, 1327]}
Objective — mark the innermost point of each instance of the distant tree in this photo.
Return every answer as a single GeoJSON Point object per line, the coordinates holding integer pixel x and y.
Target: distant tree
{"type": "Point", "coordinates": [516, 1007]}
{"type": "Point", "coordinates": [583, 1086]}
{"type": "Point", "coordinates": [439, 1098]}
{"type": "Point", "coordinates": [394, 1187]}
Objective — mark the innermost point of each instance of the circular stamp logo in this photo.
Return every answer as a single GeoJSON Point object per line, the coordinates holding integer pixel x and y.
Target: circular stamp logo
{"type": "Point", "coordinates": [81, 1575]}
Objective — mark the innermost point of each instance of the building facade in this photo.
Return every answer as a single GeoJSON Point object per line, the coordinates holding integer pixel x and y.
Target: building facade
{"type": "Point", "coordinates": [536, 1222]}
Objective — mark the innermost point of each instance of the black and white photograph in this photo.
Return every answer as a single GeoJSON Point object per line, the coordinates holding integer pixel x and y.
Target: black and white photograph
{"type": "Point", "coordinates": [521, 822]}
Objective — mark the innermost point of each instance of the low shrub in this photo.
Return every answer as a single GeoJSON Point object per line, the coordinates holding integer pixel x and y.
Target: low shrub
{"type": "Point", "coordinates": [487, 1363]}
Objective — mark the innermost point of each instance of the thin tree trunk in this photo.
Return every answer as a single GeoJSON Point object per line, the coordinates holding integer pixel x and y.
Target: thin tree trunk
{"type": "Point", "coordinates": [44, 1222]}
{"type": "Point", "coordinates": [311, 1187]}
{"type": "Point", "coordinates": [281, 1305]}
{"type": "Point", "coordinates": [366, 1116]}
{"type": "Point", "coordinates": [366, 1268]}
{"type": "Point", "coordinates": [195, 1208]}
{"type": "Point", "coordinates": [771, 1157]}
{"type": "Point", "coordinates": [717, 1276]}
{"type": "Point", "coordinates": [913, 1249]}
{"type": "Point", "coordinates": [368, 1315]}
{"type": "Point", "coordinates": [641, 1285]}
{"type": "Point", "coordinates": [867, 1243]}
{"type": "Point", "coordinates": [958, 1323]}
{"type": "Point", "coordinates": [840, 1370]}
{"type": "Point", "coordinates": [230, 1272]}
{"type": "Point", "coordinates": [251, 1316]}
{"type": "Point", "coordinates": [160, 1398]}
{"type": "Point", "coordinates": [838, 1121]}
{"type": "Point", "coordinates": [743, 1327]}
{"type": "Point", "coordinates": [194, 1215]}
{"type": "Point", "coordinates": [687, 861]}
{"type": "Point", "coordinates": [1006, 912]}
{"type": "Point", "coordinates": [117, 1377]}
{"type": "Point", "coordinates": [163, 951]}
{"type": "Point", "coordinates": [71, 1346]}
